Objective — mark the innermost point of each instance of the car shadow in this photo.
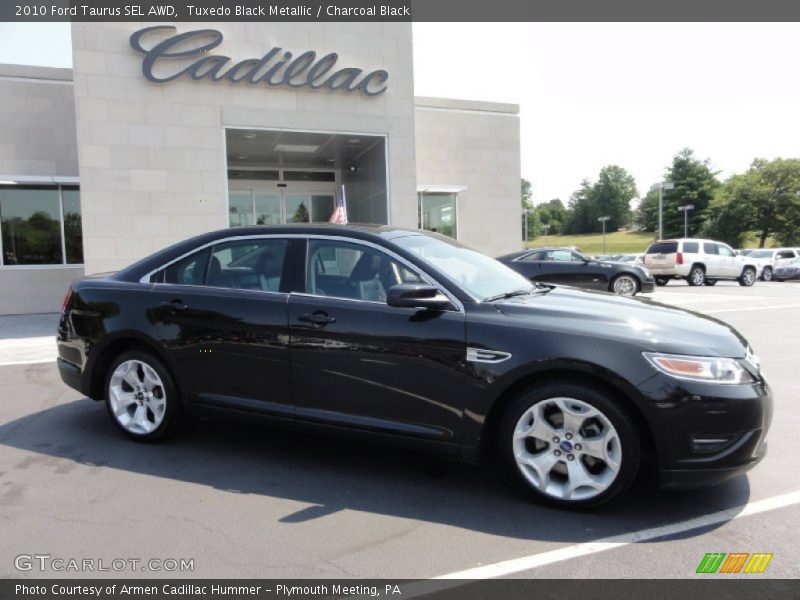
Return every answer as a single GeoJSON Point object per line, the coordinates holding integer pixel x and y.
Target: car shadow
{"type": "Point", "coordinates": [334, 475]}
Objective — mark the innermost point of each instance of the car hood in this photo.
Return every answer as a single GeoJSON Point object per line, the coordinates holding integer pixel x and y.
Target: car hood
{"type": "Point", "coordinates": [654, 326]}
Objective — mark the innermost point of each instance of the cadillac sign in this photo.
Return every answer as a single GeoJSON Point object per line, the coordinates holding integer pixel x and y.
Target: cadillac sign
{"type": "Point", "coordinates": [189, 54]}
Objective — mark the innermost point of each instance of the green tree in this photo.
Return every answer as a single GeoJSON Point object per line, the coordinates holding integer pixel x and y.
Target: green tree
{"type": "Point", "coordinates": [763, 199]}
{"type": "Point", "coordinates": [527, 194]}
{"type": "Point", "coordinates": [580, 212]}
{"type": "Point", "coordinates": [554, 214]}
{"type": "Point", "coordinates": [696, 184]}
{"type": "Point", "coordinates": [611, 196]}
{"type": "Point", "coordinates": [301, 214]}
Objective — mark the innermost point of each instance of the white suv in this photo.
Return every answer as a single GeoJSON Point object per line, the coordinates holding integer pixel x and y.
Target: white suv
{"type": "Point", "coordinates": [769, 258]}
{"type": "Point", "coordinates": [699, 262]}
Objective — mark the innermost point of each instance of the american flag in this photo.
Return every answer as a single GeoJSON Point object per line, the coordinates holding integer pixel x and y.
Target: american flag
{"type": "Point", "coordinates": [339, 215]}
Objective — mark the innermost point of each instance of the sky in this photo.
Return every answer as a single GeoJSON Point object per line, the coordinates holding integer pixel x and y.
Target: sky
{"type": "Point", "coordinates": [591, 94]}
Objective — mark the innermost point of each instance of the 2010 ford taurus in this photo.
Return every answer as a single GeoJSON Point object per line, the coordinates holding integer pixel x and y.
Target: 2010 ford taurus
{"type": "Point", "coordinates": [410, 338]}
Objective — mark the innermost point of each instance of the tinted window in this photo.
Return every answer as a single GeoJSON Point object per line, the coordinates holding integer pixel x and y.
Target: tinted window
{"type": "Point", "coordinates": [663, 248]}
{"type": "Point", "coordinates": [786, 254]}
{"type": "Point", "coordinates": [534, 256]}
{"type": "Point", "coordinates": [761, 254]}
{"type": "Point", "coordinates": [187, 271]}
{"type": "Point", "coordinates": [724, 250]}
{"type": "Point", "coordinates": [345, 270]}
{"type": "Point", "coordinates": [691, 247]}
{"type": "Point", "coordinates": [710, 248]}
{"type": "Point", "coordinates": [248, 265]}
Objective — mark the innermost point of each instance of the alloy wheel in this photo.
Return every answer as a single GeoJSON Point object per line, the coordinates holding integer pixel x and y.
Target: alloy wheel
{"type": "Point", "coordinates": [567, 449]}
{"type": "Point", "coordinates": [697, 276]}
{"type": "Point", "coordinates": [749, 277]}
{"type": "Point", "coordinates": [137, 397]}
{"type": "Point", "coordinates": [767, 274]}
{"type": "Point", "coordinates": [625, 285]}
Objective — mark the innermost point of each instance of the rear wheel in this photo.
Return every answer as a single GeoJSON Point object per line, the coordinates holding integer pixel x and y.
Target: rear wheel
{"type": "Point", "coordinates": [748, 277]}
{"type": "Point", "coordinates": [141, 396]}
{"type": "Point", "coordinates": [662, 281]}
{"type": "Point", "coordinates": [767, 274]}
{"type": "Point", "coordinates": [569, 445]}
{"type": "Point", "coordinates": [697, 276]}
{"type": "Point", "coordinates": [624, 285]}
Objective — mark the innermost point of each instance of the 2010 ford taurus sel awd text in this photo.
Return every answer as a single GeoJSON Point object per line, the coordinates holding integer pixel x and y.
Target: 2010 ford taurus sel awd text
{"type": "Point", "coordinates": [410, 338]}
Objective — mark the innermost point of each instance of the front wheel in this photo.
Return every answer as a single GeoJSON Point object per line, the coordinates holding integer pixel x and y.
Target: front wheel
{"type": "Point", "coordinates": [697, 276]}
{"type": "Point", "coordinates": [767, 274]}
{"type": "Point", "coordinates": [624, 285]}
{"type": "Point", "coordinates": [748, 277]}
{"type": "Point", "coordinates": [141, 396]}
{"type": "Point", "coordinates": [569, 445]}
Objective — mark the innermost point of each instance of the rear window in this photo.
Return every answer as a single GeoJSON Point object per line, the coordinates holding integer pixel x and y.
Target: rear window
{"type": "Point", "coordinates": [691, 247]}
{"type": "Point", "coordinates": [663, 248]}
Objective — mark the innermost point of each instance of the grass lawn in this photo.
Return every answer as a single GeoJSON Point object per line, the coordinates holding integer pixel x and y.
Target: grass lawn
{"type": "Point", "coordinates": [619, 242]}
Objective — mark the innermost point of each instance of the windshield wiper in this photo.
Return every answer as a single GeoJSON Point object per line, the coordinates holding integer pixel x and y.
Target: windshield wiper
{"type": "Point", "coordinates": [511, 294]}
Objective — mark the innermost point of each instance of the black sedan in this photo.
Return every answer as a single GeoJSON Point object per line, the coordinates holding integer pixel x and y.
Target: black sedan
{"type": "Point", "coordinates": [411, 339]}
{"type": "Point", "coordinates": [566, 266]}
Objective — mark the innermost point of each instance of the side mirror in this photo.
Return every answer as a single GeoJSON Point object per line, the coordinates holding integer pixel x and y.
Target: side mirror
{"type": "Point", "coordinates": [417, 295]}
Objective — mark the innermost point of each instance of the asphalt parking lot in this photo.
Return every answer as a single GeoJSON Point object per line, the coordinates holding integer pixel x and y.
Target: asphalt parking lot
{"type": "Point", "coordinates": [247, 502]}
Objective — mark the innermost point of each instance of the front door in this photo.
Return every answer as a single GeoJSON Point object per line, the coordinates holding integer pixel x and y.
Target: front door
{"type": "Point", "coordinates": [360, 363]}
{"type": "Point", "coordinates": [222, 315]}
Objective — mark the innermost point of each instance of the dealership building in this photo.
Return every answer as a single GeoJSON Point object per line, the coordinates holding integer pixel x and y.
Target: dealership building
{"type": "Point", "coordinates": [159, 133]}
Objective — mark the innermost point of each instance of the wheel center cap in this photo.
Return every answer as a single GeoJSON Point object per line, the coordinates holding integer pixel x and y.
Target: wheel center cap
{"type": "Point", "coordinates": [565, 446]}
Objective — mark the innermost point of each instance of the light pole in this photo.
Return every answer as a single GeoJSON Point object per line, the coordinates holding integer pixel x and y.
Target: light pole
{"type": "Point", "coordinates": [661, 187]}
{"type": "Point", "coordinates": [685, 210]}
{"type": "Point", "coordinates": [546, 227]}
{"type": "Point", "coordinates": [603, 221]}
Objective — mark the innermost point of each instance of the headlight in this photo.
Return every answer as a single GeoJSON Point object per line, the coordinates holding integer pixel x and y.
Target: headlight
{"type": "Point", "coordinates": [700, 368]}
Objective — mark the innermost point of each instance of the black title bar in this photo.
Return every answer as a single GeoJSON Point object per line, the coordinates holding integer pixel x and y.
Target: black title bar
{"type": "Point", "coordinates": [400, 10]}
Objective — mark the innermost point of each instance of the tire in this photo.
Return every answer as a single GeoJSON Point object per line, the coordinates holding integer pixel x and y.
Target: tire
{"type": "Point", "coordinates": [697, 276]}
{"type": "Point", "coordinates": [766, 274]}
{"type": "Point", "coordinates": [548, 478]}
{"type": "Point", "coordinates": [141, 396]}
{"type": "Point", "coordinates": [748, 277]}
{"type": "Point", "coordinates": [710, 282]}
{"type": "Point", "coordinates": [661, 281]}
{"type": "Point", "coordinates": [624, 285]}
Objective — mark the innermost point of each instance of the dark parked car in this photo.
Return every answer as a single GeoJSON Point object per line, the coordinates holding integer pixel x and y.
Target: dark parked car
{"type": "Point", "coordinates": [567, 266]}
{"type": "Point", "coordinates": [409, 338]}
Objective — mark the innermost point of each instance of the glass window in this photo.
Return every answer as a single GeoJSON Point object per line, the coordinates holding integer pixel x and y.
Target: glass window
{"type": "Point", "coordinates": [710, 248]}
{"type": "Point", "coordinates": [30, 217]}
{"type": "Point", "coordinates": [438, 213]}
{"type": "Point", "coordinates": [761, 254]}
{"type": "Point", "coordinates": [248, 265]}
{"type": "Point", "coordinates": [259, 174]}
{"type": "Point", "coordinates": [476, 273]}
{"type": "Point", "coordinates": [240, 208]}
{"type": "Point", "coordinates": [663, 248]}
{"type": "Point", "coordinates": [691, 247]}
{"type": "Point", "coordinates": [724, 250]}
{"type": "Point", "coordinates": [188, 271]}
{"type": "Point", "coordinates": [73, 226]}
{"type": "Point", "coordinates": [345, 270]}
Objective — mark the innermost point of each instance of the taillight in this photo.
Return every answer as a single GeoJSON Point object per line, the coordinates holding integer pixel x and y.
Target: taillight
{"type": "Point", "coordinates": [67, 298]}
{"type": "Point", "coordinates": [679, 258]}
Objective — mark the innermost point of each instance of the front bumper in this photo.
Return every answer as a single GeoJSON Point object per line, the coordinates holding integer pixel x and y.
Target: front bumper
{"type": "Point", "coordinates": [706, 433]}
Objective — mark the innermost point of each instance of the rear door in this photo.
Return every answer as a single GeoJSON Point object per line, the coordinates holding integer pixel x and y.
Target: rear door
{"type": "Point", "coordinates": [222, 315]}
{"type": "Point", "coordinates": [660, 257]}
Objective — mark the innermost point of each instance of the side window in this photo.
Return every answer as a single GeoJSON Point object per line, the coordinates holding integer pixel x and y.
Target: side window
{"type": "Point", "coordinates": [709, 248]}
{"type": "Point", "coordinates": [786, 254]}
{"type": "Point", "coordinates": [724, 250]}
{"type": "Point", "coordinates": [577, 258]}
{"type": "Point", "coordinates": [562, 255]}
{"type": "Point", "coordinates": [690, 247]}
{"type": "Point", "coordinates": [345, 270]}
{"type": "Point", "coordinates": [248, 265]}
{"type": "Point", "coordinates": [534, 257]}
{"type": "Point", "coordinates": [187, 271]}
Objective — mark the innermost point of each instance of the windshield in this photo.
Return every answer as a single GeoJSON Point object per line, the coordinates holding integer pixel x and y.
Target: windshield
{"type": "Point", "coordinates": [761, 253]}
{"type": "Point", "coordinates": [480, 276]}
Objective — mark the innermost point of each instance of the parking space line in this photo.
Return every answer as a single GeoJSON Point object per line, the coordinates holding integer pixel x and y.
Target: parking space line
{"type": "Point", "coordinates": [743, 309]}
{"type": "Point", "coordinates": [525, 563]}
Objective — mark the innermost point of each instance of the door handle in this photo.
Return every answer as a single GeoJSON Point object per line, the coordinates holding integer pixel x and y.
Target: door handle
{"type": "Point", "coordinates": [174, 304]}
{"type": "Point", "coordinates": [317, 319]}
